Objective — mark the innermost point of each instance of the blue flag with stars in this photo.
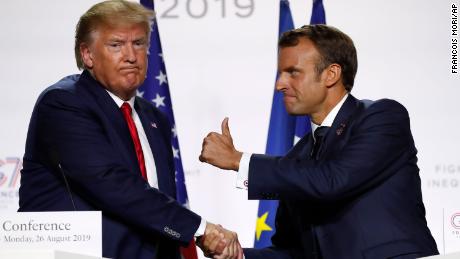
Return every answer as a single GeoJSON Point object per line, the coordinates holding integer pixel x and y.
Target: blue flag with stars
{"type": "Point", "coordinates": [284, 130]}
{"type": "Point", "coordinates": [156, 89]}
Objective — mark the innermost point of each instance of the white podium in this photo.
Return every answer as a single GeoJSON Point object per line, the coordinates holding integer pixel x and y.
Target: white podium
{"type": "Point", "coordinates": [64, 234]}
{"type": "Point", "coordinates": [42, 254]}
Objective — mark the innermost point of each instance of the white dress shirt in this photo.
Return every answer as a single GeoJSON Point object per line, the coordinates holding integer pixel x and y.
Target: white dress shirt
{"type": "Point", "coordinates": [243, 171]}
{"type": "Point", "coordinates": [148, 155]}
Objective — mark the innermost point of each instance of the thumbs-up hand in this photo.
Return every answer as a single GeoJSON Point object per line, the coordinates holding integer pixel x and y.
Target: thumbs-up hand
{"type": "Point", "coordinates": [218, 149]}
{"type": "Point", "coordinates": [225, 129]}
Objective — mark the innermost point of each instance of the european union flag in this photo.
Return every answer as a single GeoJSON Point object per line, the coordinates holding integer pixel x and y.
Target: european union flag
{"type": "Point", "coordinates": [156, 89]}
{"type": "Point", "coordinates": [284, 130]}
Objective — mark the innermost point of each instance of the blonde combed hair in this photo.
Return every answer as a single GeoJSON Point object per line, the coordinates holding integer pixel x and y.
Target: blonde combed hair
{"type": "Point", "coordinates": [110, 13]}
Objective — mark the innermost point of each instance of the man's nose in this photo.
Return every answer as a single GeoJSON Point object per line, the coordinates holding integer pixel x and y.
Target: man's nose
{"type": "Point", "coordinates": [280, 84]}
{"type": "Point", "coordinates": [130, 53]}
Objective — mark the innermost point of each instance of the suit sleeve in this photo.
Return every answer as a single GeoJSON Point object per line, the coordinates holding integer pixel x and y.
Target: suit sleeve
{"type": "Point", "coordinates": [377, 141]}
{"type": "Point", "coordinates": [69, 130]}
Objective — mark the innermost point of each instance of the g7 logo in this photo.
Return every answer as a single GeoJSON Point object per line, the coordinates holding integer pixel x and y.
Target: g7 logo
{"type": "Point", "coordinates": [10, 176]}
{"type": "Point", "coordinates": [455, 220]}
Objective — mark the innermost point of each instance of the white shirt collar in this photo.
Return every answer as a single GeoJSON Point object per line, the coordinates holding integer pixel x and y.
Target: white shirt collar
{"type": "Point", "coordinates": [120, 102]}
{"type": "Point", "coordinates": [331, 115]}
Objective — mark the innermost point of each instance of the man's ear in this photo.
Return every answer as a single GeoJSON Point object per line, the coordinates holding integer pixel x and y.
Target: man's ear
{"type": "Point", "coordinates": [86, 55]}
{"type": "Point", "coordinates": [333, 74]}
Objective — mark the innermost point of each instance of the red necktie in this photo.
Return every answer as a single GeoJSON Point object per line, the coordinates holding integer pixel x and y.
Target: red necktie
{"type": "Point", "coordinates": [126, 110]}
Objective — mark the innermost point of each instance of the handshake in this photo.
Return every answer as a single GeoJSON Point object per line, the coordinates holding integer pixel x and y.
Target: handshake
{"type": "Point", "coordinates": [219, 243]}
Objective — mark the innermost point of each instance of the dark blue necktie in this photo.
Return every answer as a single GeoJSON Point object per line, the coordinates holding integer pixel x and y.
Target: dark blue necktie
{"type": "Point", "coordinates": [319, 133]}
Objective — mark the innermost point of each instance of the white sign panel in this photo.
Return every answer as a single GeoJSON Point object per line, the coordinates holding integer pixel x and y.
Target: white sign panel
{"type": "Point", "coordinates": [451, 239]}
{"type": "Point", "coordinates": [78, 232]}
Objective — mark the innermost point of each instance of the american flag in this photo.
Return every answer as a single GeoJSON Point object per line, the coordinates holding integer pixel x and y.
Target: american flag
{"type": "Point", "coordinates": [156, 89]}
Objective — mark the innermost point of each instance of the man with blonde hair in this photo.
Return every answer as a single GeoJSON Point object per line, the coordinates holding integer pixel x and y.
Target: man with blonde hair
{"type": "Point", "coordinates": [93, 144]}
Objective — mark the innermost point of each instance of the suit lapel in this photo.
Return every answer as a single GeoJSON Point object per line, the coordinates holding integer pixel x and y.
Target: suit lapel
{"type": "Point", "coordinates": [160, 149]}
{"type": "Point", "coordinates": [340, 124]}
{"type": "Point", "coordinates": [113, 116]}
{"type": "Point", "coordinates": [118, 132]}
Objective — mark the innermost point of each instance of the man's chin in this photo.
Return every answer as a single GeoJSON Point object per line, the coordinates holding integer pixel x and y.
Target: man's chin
{"type": "Point", "coordinates": [133, 83]}
{"type": "Point", "coordinates": [133, 78]}
{"type": "Point", "coordinates": [295, 112]}
{"type": "Point", "coordinates": [290, 110]}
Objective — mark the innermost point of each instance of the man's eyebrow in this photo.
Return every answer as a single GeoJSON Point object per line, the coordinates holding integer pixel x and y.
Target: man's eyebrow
{"type": "Point", "coordinates": [290, 69]}
{"type": "Point", "coordinates": [140, 38]}
{"type": "Point", "coordinates": [116, 39]}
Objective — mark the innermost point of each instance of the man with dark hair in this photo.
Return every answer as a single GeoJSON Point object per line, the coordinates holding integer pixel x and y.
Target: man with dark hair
{"type": "Point", "coordinates": [349, 189]}
{"type": "Point", "coordinates": [332, 45]}
{"type": "Point", "coordinates": [93, 145]}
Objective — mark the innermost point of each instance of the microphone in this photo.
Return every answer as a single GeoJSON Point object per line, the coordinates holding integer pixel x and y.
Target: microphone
{"type": "Point", "coordinates": [69, 191]}
{"type": "Point", "coordinates": [55, 161]}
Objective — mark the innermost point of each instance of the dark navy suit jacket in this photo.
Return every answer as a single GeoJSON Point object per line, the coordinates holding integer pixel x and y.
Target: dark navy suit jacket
{"type": "Point", "coordinates": [77, 133]}
{"type": "Point", "coordinates": [362, 197]}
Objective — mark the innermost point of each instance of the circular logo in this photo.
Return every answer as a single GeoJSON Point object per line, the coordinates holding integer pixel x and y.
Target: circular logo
{"type": "Point", "coordinates": [455, 220]}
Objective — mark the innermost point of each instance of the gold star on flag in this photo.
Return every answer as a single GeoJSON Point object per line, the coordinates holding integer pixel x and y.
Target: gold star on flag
{"type": "Point", "coordinates": [261, 225]}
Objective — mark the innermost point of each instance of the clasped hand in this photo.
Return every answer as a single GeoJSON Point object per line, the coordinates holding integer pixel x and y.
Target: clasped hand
{"type": "Point", "coordinates": [219, 243]}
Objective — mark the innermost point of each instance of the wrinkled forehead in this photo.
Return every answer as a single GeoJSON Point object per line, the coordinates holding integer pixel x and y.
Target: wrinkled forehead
{"type": "Point", "coordinates": [120, 30]}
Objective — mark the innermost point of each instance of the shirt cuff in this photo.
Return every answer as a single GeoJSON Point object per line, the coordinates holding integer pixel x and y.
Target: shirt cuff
{"type": "Point", "coordinates": [201, 229]}
{"type": "Point", "coordinates": [243, 172]}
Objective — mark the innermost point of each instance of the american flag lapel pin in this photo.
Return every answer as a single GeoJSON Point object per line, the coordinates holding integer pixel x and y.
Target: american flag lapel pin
{"type": "Point", "coordinates": [153, 124]}
{"type": "Point", "coordinates": [339, 131]}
